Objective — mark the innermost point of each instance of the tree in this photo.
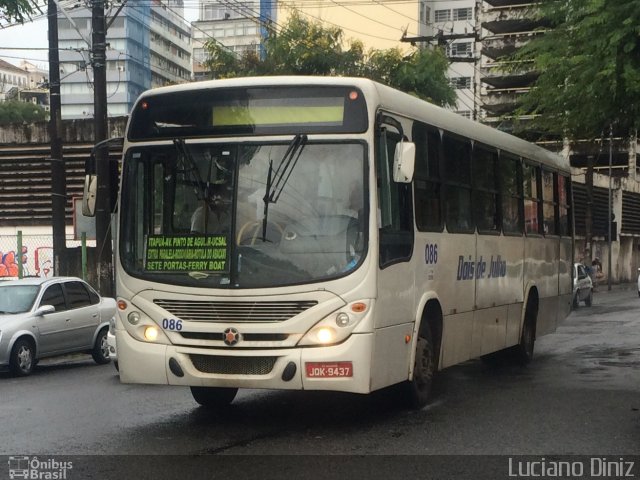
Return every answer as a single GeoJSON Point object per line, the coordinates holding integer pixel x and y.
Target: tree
{"type": "Point", "coordinates": [303, 47]}
{"type": "Point", "coordinates": [19, 112]}
{"type": "Point", "coordinates": [18, 10]}
{"type": "Point", "coordinates": [589, 75]}
{"type": "Point", "coordinates": [589, 68]}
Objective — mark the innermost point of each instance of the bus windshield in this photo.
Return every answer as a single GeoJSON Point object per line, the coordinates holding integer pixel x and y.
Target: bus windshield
{"type": "Point", "coordinates": [243, 215]}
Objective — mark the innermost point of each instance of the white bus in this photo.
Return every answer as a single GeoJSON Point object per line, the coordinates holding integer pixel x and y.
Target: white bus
{"type": "Point", "coordinates": [329, 234]}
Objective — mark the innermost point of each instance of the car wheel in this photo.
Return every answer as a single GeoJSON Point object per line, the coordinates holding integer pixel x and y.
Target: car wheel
{"type": "Point", "coordinates": [22, 361]}
{"type": "Point", "coordinates": [100, 352]}
{"type": "Point", "coordinates": [589, 299]}
{"type": "Point", "coordinates": [213, 397]}
{"type": "Point", "coordinates": [418, 389]}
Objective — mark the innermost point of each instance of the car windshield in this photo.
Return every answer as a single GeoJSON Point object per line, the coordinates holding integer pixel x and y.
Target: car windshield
{"type": "Point", "coordinates": [243, 215]}
{"type": "Point", "coordinates": [17, 298]}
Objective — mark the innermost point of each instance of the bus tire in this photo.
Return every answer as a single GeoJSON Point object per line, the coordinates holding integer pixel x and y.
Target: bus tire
{"type": "Point", "coordinates": [417, 391]}
{"type": "Point", "coordinates": [213, 397]}
{"type": "Point", "coordinates": [523, 352]}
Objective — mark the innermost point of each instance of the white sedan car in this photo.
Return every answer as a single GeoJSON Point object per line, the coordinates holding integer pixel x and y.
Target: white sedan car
{"type": "Point", "coordinates": [45, 317]}
{"type": "Point", "coordinates": [111, 342]}
{"type": "Point", "coordinates": [582, 286]}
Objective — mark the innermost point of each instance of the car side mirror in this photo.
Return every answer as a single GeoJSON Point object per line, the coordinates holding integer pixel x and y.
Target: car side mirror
{"type": "Point", "coordinates": [44, 310]}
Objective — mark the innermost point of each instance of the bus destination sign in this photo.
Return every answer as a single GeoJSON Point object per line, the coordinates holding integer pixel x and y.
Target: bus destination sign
{"type": "Point", "coordinates": [187, 253]}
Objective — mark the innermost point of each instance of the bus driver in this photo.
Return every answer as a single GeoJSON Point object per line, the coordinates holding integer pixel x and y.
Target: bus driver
{"type": "Point", "coordinates": [212, 215]}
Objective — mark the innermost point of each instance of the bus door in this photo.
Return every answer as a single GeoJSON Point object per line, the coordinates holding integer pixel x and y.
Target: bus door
{"type": "Point", "coordinates": [395, 311]}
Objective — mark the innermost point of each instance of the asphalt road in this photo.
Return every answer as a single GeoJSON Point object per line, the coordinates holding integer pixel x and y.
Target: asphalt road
{"type": "Point", "coordinates": [580, 396]}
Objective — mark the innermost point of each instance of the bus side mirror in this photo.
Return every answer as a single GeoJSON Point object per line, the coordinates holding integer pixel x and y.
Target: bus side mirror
{"type": "Point", "coordinates": [404, 162]}
{"type": "Point", "coordinates": [89, 195]}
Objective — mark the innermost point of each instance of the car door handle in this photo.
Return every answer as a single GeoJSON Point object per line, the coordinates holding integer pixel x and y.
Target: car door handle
{"type": "Point", "coordinates": [94, 315]}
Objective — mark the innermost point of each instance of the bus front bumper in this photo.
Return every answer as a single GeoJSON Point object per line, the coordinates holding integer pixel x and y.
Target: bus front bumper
{"type": "Point", "coordinates": [344, 367]}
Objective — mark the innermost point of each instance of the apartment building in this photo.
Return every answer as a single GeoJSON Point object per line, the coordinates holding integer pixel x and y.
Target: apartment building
{"type": "Point", "coordinates": [12, 78]}
{"type": "Point", "coordinates": [238, 26]}
{"type": "Point", "coordinates": [148, 45]}
{"type": "Point", "coordinates": [453, 24]}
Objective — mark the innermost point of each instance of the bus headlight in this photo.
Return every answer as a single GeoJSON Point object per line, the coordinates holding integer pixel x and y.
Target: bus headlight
{"type": "Point", "coordinates": [134, 318]}
{"type": "Point", "coordinates": [140, 326]}
{"type": "Point", "coordinates": [151, 333]}
{"type": "Point", "coordinates": [336, 327]}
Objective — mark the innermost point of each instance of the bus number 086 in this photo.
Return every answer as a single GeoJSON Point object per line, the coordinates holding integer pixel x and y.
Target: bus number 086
{"type": "Point", "coordinates": [171, 324]}
{"type": "Point", "coordinates": [431, 254]}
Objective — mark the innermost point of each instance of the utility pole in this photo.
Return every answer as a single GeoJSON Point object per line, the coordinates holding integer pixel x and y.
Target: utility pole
{"type": "Point", "coordinates": [104, 255]}
{"type": "Point", "coordinates": [58, 174]}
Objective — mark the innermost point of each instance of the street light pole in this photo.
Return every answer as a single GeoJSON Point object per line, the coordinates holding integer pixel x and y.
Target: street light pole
{"type": "Point", "coordinates": [104, 256]}
{"type": "Point", "coordinates": [609, 269]}
{"type": "Point", "coordinates": [58, 174]}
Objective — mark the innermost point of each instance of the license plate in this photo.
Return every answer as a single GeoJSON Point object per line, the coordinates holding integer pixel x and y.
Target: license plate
{"type": "Point", "coordinates": [329, 369]}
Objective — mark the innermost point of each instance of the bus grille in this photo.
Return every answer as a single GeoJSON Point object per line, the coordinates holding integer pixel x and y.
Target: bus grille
{"type": "Point", "coordinates": [226, 365]}
{"type": "Point", "coordinates": [227, 312]}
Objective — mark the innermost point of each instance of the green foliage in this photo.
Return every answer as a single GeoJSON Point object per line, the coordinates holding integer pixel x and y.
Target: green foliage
{"type": "Point", "coordinates": [18, 112]}
{"type": "Point", "coordinates": [18, 10]}
{"type": "Point", "coordinates": [589, 68]}
{"type": "Point", "coordinates": [302, 47]}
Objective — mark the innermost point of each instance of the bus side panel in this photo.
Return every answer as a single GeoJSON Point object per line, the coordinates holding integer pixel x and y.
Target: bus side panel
{"type": "Point", "coordinates": [541, 269]}
{"type": "Point", "coordinates": [457, 339]}
{"type": "Point", "coordinates": [490, 330]}
{"type": "Point", "coordinates": [499, 286]}
{"type": "Point", "coordinates": [390, 363]}
{"type": "Point", "coordinates": [564, 278]}
{"type": "Point", "coordinates": [501, 280]}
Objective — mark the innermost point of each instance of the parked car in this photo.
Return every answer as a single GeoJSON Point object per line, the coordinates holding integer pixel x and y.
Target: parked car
{"type": "Point", "coordinates": [46, 317]}
{"type": "Point", "coordinates": [582, 286]}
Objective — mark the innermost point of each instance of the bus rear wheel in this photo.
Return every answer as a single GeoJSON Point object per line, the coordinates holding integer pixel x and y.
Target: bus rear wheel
{"type": "Point", "coordinates": [418, 389]}
{"type": "Point", "coordinates": [213, 397]}
{"type": "Point", "coordinates": [523, 352]}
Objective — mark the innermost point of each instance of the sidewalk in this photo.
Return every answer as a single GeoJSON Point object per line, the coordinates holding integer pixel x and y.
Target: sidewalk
{"type": "Point", "coordinates": [603, 287]}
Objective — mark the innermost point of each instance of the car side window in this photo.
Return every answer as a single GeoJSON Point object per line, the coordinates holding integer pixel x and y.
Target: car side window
{"type": "Point", "coordinates": [77, 295]}
{"type": "Point", "coordinates": [53, 296]}
{"type": "Point", "coordinates": [94, 298]}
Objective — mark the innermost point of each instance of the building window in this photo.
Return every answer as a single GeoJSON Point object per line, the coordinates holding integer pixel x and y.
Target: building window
{"type": "Point", "coordinates": [464, 113]}
{"type": "Point", "coordinates": [425, 12]}
{"type": "Point", "coordinates": [460, 82]}
{"type": "Point", "coordinates": [460, 49]}
{"type": "Point", "coordinates": [462, 14]}
{"type": "Point", "coordinates": [442, 15]}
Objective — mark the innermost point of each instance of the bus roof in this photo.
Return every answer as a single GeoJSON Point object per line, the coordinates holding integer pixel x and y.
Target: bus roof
{"type": "Point", "coordinates": [393, 101]}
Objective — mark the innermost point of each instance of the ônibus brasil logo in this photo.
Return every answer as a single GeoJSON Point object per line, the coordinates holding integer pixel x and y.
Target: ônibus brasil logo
{"type": "Point", "coordinates": [23, 466]}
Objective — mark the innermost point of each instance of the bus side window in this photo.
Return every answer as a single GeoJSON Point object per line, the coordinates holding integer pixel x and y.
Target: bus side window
{"type": "Point", "coordinates": [564, 212]}
{"type": "Point", "coordinates": [485, 193]}
{"type": "Point", "coordinates": [394, 205]}
{"type": "Point", "coordinates": [427, 178]}
{"type": "Point", "coordinates": [511, 190]}
{"type": "Point", "coordinates": [549, 204]}
{"type": "Point", "coordinates": [457, 155]}
{"type": "Point", "coordinates": [532, 191]}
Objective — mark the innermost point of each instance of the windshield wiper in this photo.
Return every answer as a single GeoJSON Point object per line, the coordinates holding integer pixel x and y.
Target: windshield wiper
{"type": "Point", "coordinates": [191, 171]}
{"type": "Point", "coordinates": [276, 181]}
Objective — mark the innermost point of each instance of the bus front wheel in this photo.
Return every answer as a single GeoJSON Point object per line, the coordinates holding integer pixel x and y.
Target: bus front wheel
{"type": "Point", "coordinates": [213, 397]}
{"type": "Point", "coordinates": [418, 389]}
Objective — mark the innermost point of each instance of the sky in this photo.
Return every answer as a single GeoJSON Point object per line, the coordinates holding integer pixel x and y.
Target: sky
{"type": "Point", "coordinates": [31, 39]}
